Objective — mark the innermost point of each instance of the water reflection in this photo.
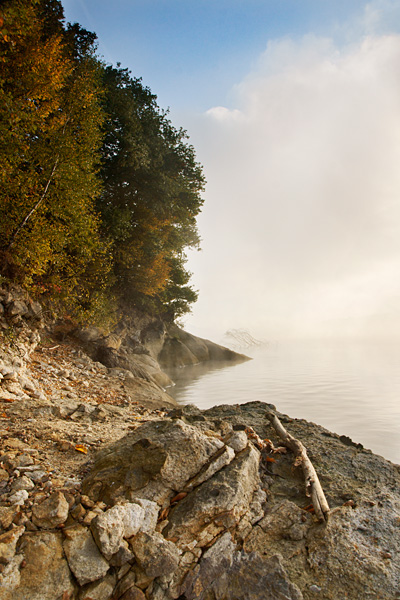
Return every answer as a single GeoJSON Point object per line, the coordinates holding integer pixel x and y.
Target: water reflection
{"type": "Point", "coordinates": [186, 377]}
{"type": "Point", "coordinates": [351, 389]}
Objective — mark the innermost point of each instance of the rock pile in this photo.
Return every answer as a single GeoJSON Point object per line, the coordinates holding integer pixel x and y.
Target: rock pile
{"type": "Point", "coordinates": [153, 505]}
{"type": "Point", "coordinates": [186, 506]}
{"type": "Point", "coordinates": [109, 491]}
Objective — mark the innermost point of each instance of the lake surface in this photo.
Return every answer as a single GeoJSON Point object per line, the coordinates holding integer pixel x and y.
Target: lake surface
{"type": "Point", "coordinates": [349, 388]}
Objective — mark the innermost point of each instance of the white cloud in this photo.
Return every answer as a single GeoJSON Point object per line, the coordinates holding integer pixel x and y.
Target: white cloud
{"type": "Point", "coordinates": [302, 218]}
{"type": "Point", "coordinates": [220, 113]}
{"type": "Point", "coordinates": [380, 15]}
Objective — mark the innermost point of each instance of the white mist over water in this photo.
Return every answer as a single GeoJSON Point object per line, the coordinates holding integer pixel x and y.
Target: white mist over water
{"type": "Point", "coordinates": [350, 388]}
{"type": "Point", "coordinates": [301, 231]}
{"type": "Point", "coordinates": [301, 222]}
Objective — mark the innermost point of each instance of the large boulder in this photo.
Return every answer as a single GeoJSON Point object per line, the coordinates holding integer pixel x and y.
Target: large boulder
{"type": "Point", "coordinates": [46, 574]}
{"type": "Point", "coordinates": [84, 558]}
{"type": "Point", "coordinates": [182, 348]}
{"type": "Point", "coordinates": [227, 573]}
{"type": "Point", "coordinates": [152, 462]}
{"type": "Point", "coordinates": [220, 503]}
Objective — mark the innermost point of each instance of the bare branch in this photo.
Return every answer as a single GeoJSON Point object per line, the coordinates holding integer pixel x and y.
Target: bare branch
{"type": "Point", "coordinates": [34, 209]}
{"type": "Point", "coordinates": [313, 486]}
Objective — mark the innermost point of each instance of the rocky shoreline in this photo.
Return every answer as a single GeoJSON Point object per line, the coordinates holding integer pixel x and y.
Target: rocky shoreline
{"type": "Point", "coordinates": [110, 491]}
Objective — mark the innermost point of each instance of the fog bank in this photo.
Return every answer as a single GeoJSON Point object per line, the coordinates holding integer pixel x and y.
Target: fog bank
{"type": "Point", "coordinates": [301, 224]}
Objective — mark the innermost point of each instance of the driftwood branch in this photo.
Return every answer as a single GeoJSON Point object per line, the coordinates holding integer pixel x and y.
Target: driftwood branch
{"type": "Point", "coordinates": [313, 486]}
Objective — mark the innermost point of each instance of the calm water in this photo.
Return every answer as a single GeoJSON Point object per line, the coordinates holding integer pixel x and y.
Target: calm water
{"type": "Point", "coordinates": [349, 388]}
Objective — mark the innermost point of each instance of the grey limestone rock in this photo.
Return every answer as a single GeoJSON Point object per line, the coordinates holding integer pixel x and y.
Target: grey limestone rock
{"type": "Point", "coordinates": [226, 573]}
{"type": "Point", "coordinates": [181, 348]}
{"type": "Point", "coordinates": [252, 577]}
{"type": "Point", "coordinates": [150, 517]}
{"type": "Point", "coordinates": [120, 521]}
{"type": "Point", "coordinates": [122, 556]}
{"type": "Point", "coordinates": [51, 512]}
{"type": "Point", "coordinates": [26, 384]}
{"type": "Point", "coordinates": [18, 497]}
{"type": "Point", "coordinates": [133, 593]}
{"type": "Point", "coordinates": [9, 373]}
{"type": "Point", "coordinates": [152, 462]}
{"type": "Point", "coordinates": [46, 574]}
{"type": "Point", "coordinates": [220, 459]}
{"type": "Point", "coordinates": [99, 590]}
{"type": "Point", "coordinates": [127, 581]}
{"type": "Point", "coordinates": [7, 514]}
{"type": "Point", "coordinates": [237, 440]}
{"type": "Point", "coordinates": [22, 483]}
{"type": "Point", "coordinates": [8, 543]}
{"type": "Point", "coordinates": [218, 504]}
{"type": "Point", "coordinates": [108, 532]}
{"type": "Point", "coordinates": [10, 577]}
{"type": "Point", "coordinates": [84, 558]}
{"type": "Point", "coordinates": [17, 308]}
{"type": "Point", "coordinates": [155, 555]}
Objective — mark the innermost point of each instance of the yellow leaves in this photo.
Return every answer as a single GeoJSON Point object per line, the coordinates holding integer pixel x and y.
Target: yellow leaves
{"type": "Point", "coordinates": [81, 448]}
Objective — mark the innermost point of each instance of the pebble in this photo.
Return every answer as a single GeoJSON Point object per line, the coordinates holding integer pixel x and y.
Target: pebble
{"type": "Point", "coordinates": [10, 376]}
{"type": "Point", "coordinates": [63, 373]}
{"type": "Point", "coordinates": [38, 476]}
{"type": "Point", "coordinates": [87, 502]}
{"type": "Point", "coordinates": [78, 512]}
{"type": "Point", "coordinates": [90, 515]}
{"type": "Point", "coordinates": [24, 460]}
{"type": "Point", "coordinates": [3, 475]}
{"type": "Point", "coordinates": [22, 483]}
{"type": "Point", "coordinates": [315, 589]}
{"type": "Point", "coordinates": [52, 512]}
{"type": "Point", "coordinates": [19, 497]}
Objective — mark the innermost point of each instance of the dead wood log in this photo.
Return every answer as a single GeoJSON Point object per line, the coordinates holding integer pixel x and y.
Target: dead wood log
{"type": "Point", "coordinates": [313, 486]}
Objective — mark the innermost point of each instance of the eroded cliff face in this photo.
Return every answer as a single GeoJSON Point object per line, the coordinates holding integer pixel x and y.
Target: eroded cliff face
{"type": "Point", "coordinates": [181, 349]}
{"type": "Point", "coordinates": [146, 344]}
{"type": "Point", "coordinates": [110, 491]}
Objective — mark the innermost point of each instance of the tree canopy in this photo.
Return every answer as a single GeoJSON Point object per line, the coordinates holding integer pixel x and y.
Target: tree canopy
{"type": "Point", "coordinates": [99, 192]}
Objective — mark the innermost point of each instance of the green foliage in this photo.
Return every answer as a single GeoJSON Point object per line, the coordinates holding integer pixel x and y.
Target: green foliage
{"type": "Point", "coordinates": [151, 193]}
{"type": "Point", "coordinates": [99, 192]}
{"type": "Point", "coordinates": [50, 132]}
{"type": "Point", "coordinates": [178, 295]}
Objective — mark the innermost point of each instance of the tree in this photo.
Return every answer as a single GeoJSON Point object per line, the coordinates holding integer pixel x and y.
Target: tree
{"type": "Point", "coordinates": [151, 193]}
{"type": "Point", "coordinates": [99, 192]}
{"type": "Point", "coordinates": [51, 133]}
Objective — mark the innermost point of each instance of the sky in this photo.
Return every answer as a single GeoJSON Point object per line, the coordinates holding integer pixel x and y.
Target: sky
{"type": "Point", "coordinates": [293, 108]}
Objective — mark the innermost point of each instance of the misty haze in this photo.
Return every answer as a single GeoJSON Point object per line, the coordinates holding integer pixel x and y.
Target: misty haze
{"type": "Point", "coordinates": [301, 237]}
{"type": "Point", "coordinates": [301, 225]}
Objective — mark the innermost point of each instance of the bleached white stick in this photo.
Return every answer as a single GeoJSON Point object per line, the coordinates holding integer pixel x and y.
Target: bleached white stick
{"type": "Point", "coordinates": [313, 486]}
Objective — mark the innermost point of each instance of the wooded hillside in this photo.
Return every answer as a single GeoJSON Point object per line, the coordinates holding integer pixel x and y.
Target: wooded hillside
{"type": "Point", "coordinates": [99, 192]}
